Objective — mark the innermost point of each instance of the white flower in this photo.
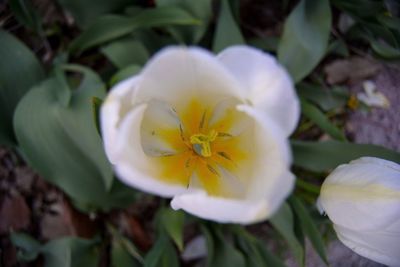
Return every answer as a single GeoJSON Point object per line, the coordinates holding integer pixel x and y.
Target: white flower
{"type": "Point", "coordinates": [362, 199]}
{"type": "Point", "coordinates": [209, 131]}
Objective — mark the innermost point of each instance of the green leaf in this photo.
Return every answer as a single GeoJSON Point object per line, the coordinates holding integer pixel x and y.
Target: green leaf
{"type": "Point", "coordinates": [60, 140]}
{"type": "Point", "coordinates": [19, 71]}
{"type": "Point", "coordinates": [124, 74]}
{"type": "Point", "coordinates": [305, 37]}
{"type": "Point", "coordinates": [324, 156]}
{"type": "Point", "coordinates": [200, 9]}
{"type": "Point", "coordinates": [63, 252]}
{"type": "Point", "coordinates": [227, 32]}
{"type": "Point", "coordinates": [86, 12]}
{"type": "Point", "coordinates": [110, 27]}
{"type": "Point", "coordinates": [309, 227]}
{"type": "Point", "coordinates": [268, 44]}
{"type": "Point", "coordinates": [126, 52]}
{"type": "Point", "coordinates": [326, 98]}
{"type": "Point", "coordinates": [162, 254]}
{"type": "Point", "coordinates": [28, 247]}
{"type": "Point", "coordinates": [385, 50]}
{"type": "Point", "coordinates": [96, 103]}
{"type": "Point", "coordinates": [282, 221]}
{"type": "Point", "coordinates": [220, 252]}
{"type": "Point", "coordinates": [26, 14]}
{"type": "Point", "coordinates": [173, 222]}
{"type": "Point", "coordinates": [71, 252]}
{"type": "Point", "coordinates": [254, 250]}
{"type": "Point", "coordinates": [360, 8]}
{"type": "Point", "coordinates": [123, 252]}
{"type": "Point", "coordinates": [319, 118]}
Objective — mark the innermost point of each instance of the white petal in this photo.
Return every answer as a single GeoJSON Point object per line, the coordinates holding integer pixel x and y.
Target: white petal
{"type": "Point", "coordinates": [132, 165]}
{"type": "Point", "coordinates": [382, 246]}
{"type": "Point", "coordinates": [178, 74]}
{"type": "Point", "coordinates": [115, 106]}
{"type": "Point", "coordinates": [222, 210]}
{"type": "Point", "coordinates": [271, 177]}
{"type": "Point", "coordinates": [363, 195]}
{"type": "Point", "coordinates": [268, 86]}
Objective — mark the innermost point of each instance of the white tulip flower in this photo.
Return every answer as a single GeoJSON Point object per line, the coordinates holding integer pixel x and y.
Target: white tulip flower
{"type": "Point", "coordinates": [209, 131]}
{"type": "Point", "coordinates": [362, 199]}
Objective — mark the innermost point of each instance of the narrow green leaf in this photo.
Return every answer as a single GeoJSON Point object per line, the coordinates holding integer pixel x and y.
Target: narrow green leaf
{"type": "Point", "coordinates": [220, 252]}
{"type": "Point", "coordinates": [26, 14]}
{"type": "Point", "coordinates": [110, 27]}
{"type": "Point", "coordinates": [282, 221]}
{"type": "Point", "coordinates": [309, 227]}
{"type": "Point", "coordinates": [200, 9]}
{"type": "Point", "coordinates": [254, 250]}
{"type": "Point", "coordinates": [126, 52]}
{"type": "Point", "coordinates": [19, 71]}
{"type": "Point", "coordinates": [319, 118]}
{"type": "Point", "coordinates": [173, 222]}
{"type": "Point", "coordinates": [227, 32]}
{"type": "Point", "coordinates": [86, 12]}
{"type": "Point", "coordinates": [71, 252]}
{"type": "Point", "coordinates": [385, 50]}
{"type": "Point", "coordinates": [305, 37]}
{"type": "Point", "coordinates": [96, 104]}
{"type": "Point", "coordinates": [125, 73]}
{"type": "Point", "coordinates": [162, 254]}
{"type": "Point", "coordinates": [63, 252]}
{"type": "Point", "coordinates": [123, 252]}
{"type": "Point", "coordinates": [325, 98]}
{"type": "Point", "coordinates": [325, 156]}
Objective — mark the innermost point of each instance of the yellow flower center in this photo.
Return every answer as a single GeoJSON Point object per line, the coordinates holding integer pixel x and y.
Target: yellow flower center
{"type": "Point", "coordinates": [200, 145]}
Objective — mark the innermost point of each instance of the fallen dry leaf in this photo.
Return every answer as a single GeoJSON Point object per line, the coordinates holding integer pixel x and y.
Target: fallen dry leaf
{"type": "Point", "coordinates": [350, 70]}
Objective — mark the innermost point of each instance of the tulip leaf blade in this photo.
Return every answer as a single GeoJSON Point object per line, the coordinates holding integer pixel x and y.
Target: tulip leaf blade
{"type": "Point", "coordinates": [305, 37]}
{"type": "Point", "coordinates": [319, 118]}
{"type": "Point", "coordinates": [221, 253]}
{"type": "Point", "coordinates": [125, 52]}
{"type": "Point", "coordinates": [335, 97]}
{"type": "Point", "coordinates": [254, 250]}
{"type": "Point", "coordinates": [123, 252]}
{"type": "Point", "coordinates": [62, 252]}
{"type": "Point", "coordinates": [124, 73]}
{"type": "Point", "coordinates": [110, 27]}
{"type": "Point", "coordinates": [327, 155]}
{"type": "Point", "coordinates": [59, 139]}
{"type": "Point", "coordinates": [227, 32]}
{"type": "Point", "coordinates": [173, 222]}
{"type": "Point", "coordinates": [86, 12]}
{"type": "Point", "coordinates": [200, 9]}
{"type": "Point", "coordinates": [309, 227]}
{"type": "Point", "coordinates": [162, 254]}
{"type": "Point", "coordinates": [283, 222]}
{"type": "Point", "coordinates": [19, 71]}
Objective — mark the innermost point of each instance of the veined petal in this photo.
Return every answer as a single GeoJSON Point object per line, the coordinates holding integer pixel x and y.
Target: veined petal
{"type": "Point", "coordinates": [114, 108]}
{"type": "Point", "coordinates": [266, 83]}
{"type": "Point", "coordinates": [382, 245]}
{"type": "Point", "coordinates": [133, 166]}
{"type": "Point", "coordinates": [362, 195]}
{"type": "Point", "coordinates": [222, 210]}
{"type": "Point", "coordinates": [179, 73]}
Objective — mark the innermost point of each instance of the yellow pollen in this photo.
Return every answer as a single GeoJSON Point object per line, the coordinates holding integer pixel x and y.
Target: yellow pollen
{"type": "Point", "coordinates": [202, 143]}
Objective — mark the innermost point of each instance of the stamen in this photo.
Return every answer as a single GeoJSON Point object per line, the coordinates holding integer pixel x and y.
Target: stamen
{"type": "Point", "coordinates": [202, 143]}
